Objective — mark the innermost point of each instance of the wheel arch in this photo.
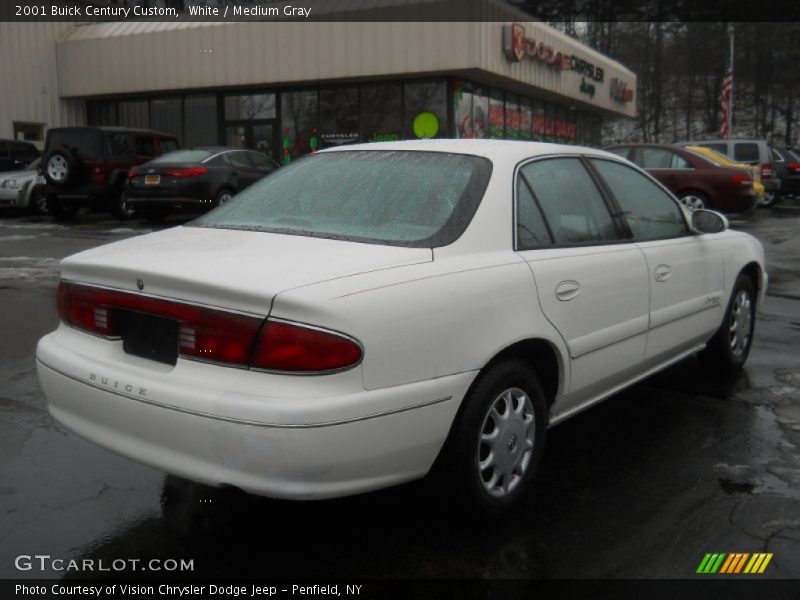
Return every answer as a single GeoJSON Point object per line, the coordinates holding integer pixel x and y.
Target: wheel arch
{"type": "Point", "coordinates": [753, 271]}
{"type": "Point", "coordinates": [543, 357]}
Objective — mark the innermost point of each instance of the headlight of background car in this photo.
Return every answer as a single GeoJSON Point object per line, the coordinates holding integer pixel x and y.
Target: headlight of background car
{"type": "Point", "coordinates": [13, 184]}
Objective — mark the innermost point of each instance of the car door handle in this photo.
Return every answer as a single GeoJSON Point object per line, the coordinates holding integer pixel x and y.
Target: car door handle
{"type": "Point", "coordinates": [234, 173]}
{"type": "Point", "coordinates": [662, 272]}
{"type": "Point", "coordinates": [567, 290]}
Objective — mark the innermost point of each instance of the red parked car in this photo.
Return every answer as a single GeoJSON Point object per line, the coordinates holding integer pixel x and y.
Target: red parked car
{"type": "Point", "coordinates": [696, 181]}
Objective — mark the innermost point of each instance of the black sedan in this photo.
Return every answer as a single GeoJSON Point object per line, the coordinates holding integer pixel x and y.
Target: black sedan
{"type": "Point", "coordinates": [193, 180]}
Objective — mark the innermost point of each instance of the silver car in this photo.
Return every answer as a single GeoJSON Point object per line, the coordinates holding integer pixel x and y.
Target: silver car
{"type": "Point", "coordinates": [19, 189]}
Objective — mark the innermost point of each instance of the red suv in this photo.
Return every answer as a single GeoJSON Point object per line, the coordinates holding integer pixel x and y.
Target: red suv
{"type": "Point", "coordinates": [695, 180]}
{"type": "Point", "coordinates": [88, 166]}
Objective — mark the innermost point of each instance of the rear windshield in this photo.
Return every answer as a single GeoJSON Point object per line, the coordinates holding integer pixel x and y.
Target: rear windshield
{"type": "Point", "coordinates": [85, 142]}
{"type": "Point", "coordinates": [183, 156]}
{"type": "Point", "coordinates": [406, 198]}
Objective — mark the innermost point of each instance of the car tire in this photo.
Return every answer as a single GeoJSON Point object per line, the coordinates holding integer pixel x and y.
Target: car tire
{"type": "Point", "coordinates": [60, 166]}
{"type": "Point", "coordinates": [38, 202]}
{"type": "Point", "coordinates": [62, 211]}
{"type": "Point", "coordinates": [771, 199]}
{"type": "Point", "coordinates": [223, 197]}
{"type": "Point", "coordinates": [730, 346]}
{"type": "Point", "coordinates": [121, 209]}
{"type": "Point", "coordinates": [694, 200]}
{"type": "Point", "coordinates": [496, 443]}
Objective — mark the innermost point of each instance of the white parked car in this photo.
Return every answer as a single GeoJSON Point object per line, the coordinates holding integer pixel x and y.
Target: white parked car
{"type": "Point", "coordinates": [374, 312]}
{"type": "Point", "coordinates": [20, 189]}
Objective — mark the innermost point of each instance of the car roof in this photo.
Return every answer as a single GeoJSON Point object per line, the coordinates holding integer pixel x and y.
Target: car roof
{"type": "Point", "coordinates": [494, 150]}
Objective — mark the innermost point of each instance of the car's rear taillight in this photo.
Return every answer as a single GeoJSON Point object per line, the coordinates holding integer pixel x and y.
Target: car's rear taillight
{"type": "Point", "coordinates": [739, 179]}
{"type": "Point", "coordinates": [299, 348]}
{"type": "Point", "coordinates": [131, 172]}
{"type": "Point", "coordinates": [188, 172]}
{"type": "Point", "coordinates": [794, 167]}
{"type": "Point", "coordinates": [210, 334]}
{"type": "Point", "coordinates": [766, 171]}
{"type": "Point", "coordinates": [99, 176]}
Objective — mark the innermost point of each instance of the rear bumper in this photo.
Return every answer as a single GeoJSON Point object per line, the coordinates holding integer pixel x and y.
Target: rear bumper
{"type": "Point", "coordinates": [294, 444]}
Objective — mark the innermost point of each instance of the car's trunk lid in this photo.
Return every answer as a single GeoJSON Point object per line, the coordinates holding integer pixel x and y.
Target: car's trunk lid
{"type": "Point", "coordinates": [239, 270]}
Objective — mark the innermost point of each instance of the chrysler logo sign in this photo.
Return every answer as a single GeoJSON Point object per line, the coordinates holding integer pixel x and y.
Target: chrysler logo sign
{"type": "Point", "coordinates": [517, 45]}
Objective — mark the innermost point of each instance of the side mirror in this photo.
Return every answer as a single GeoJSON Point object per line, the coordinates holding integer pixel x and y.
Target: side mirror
{"type": "Point", "coordinates": [708, 221]}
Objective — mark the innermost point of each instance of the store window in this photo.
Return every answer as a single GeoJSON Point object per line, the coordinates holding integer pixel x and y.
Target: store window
{"type": "Point", "coordinates": [246, 107]}
{"type": "Point", "coordinates": [513, 117]}
{"type": "Point", "coordinates": [497, 115]}
{"type": "Point", "coordinates": [200, 120]}
{"type": "Point", "coordinates": [166, 116]}
{"type": "Point", "coordinates": [29, 132]}
{"type": "Point", "coordinates": [425, 106]}
{"type": "Point", "coordinates": [134, 113]}
{"type": "Point", "coordinates": [102, 112]}
{"type": "Point", "coordinates": [526, 118]}
{"type": "Point", "coordinates": [299, 119]}
{"type": "Point", "coordinates": [381, 112]}
{"type": "Point", "coordinates": [538, 120]}
{"type": "Point", "coordinates": [339, 116]}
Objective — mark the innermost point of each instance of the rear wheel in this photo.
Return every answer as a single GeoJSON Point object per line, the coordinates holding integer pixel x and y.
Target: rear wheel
{"type": "Point", "coordinates": [223, 197]}
{"type": "Point", "coordinates": [694, 200]}
{"type": "Point", "coordinates": [496, 444]}
{"type": "Point", "coordinates": [730, 346]}
{"type": "Point", "coordinates": [121, 209]}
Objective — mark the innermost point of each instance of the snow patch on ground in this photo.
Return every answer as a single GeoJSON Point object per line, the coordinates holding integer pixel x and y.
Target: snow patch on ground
{"type": "Point", "coordinates": [16, 238]}
{"type": "Point", "coordinates": [26, 268]}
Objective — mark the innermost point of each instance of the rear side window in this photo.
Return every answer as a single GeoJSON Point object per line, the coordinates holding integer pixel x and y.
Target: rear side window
{"type": "Point", "coordinates": [744, 152]}
{"type": "Point", "coordinates": [86, 143]}
{"type": "Point", "coordinates": [261, 161]}
{"type": "Point", "coordinates": [657, 158]}
{"type": "Point", "coordinates": [183, 156]}
{"type": "Point", "coordinates": [623, 152]}
{"type": "Point", "coordinates": [574, 210]}
{"type": "Point", "coordinates": [117, 146]}
{"type": "Point", "coordinates": [532, 229]}
{"type": "Point", "coordinates": [240, 159]}
{"type": "Point", "coordinates": [651, 213]}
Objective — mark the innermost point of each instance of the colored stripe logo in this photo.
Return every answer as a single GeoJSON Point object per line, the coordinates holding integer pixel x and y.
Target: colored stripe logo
{"type": "Point", "coordinates": [734, 563]}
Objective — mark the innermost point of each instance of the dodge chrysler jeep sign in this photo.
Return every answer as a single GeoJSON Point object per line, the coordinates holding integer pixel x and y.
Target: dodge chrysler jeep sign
{"type": "Point", "coordinates": [517, 46]}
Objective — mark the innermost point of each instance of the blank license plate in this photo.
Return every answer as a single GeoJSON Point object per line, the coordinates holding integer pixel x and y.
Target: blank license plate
{"type": "Point", "coordinates": [150, 336]}
{"type": "Point", "coordinates": [152, 179]}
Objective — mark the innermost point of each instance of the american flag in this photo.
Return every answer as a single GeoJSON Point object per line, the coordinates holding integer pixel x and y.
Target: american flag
{"type": "Point", "coordinates": [725, 99]}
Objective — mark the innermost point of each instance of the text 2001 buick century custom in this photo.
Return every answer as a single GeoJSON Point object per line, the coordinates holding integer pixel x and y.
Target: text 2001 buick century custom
{"type": "Point", "coordinates": [372, 312]}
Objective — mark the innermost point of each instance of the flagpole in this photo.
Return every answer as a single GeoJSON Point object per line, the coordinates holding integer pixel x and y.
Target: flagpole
{"type": "Point", "coordinates": [730, 105]}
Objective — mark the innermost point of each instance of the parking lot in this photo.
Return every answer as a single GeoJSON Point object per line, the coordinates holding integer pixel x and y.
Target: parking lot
{"type": "Point", "coordinates": [641, 486]}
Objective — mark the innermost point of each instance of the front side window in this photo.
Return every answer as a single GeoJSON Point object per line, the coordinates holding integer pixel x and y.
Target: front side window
{"type": "Point", "coordinates": [573, 207]}
{"type": "Point", "coordinates": [118, 146]}
{"type": "Point", "coordinates": [651, 213]}
{"type": "Point", "coordinates": [405, 198]}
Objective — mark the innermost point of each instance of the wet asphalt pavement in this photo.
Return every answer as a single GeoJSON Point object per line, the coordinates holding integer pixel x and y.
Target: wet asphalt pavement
{"type": "Point", "coordinates": [641, 486]}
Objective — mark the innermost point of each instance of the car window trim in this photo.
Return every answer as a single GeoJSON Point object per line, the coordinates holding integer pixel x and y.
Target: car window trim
{"type": "Point", "coordinates": [515, 201]}
{"type": "Point", "coordinates": [670, 195]}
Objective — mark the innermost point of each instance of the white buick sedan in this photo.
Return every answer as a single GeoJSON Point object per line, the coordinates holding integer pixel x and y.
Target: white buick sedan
{"type": "Point", "coordinates": [377, 312]}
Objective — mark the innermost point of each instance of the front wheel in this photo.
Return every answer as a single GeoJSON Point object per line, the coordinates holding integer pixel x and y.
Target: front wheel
{"type": "Point", "coordinates": [223, 197]}
{"type": "Point", "coordinates": [496, 444]}
{"type": "Point", "coordinates": [38, 202]}
{"type": "Point", "coordinates": [730, 346]}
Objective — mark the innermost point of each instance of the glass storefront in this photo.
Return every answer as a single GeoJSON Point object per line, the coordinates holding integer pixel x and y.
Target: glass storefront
{"type": "Point", "coordinates": [288, 124]}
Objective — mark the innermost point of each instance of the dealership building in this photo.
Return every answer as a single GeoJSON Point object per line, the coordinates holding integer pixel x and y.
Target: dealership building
{"type": "Point", "coordinates": [289, 88]}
